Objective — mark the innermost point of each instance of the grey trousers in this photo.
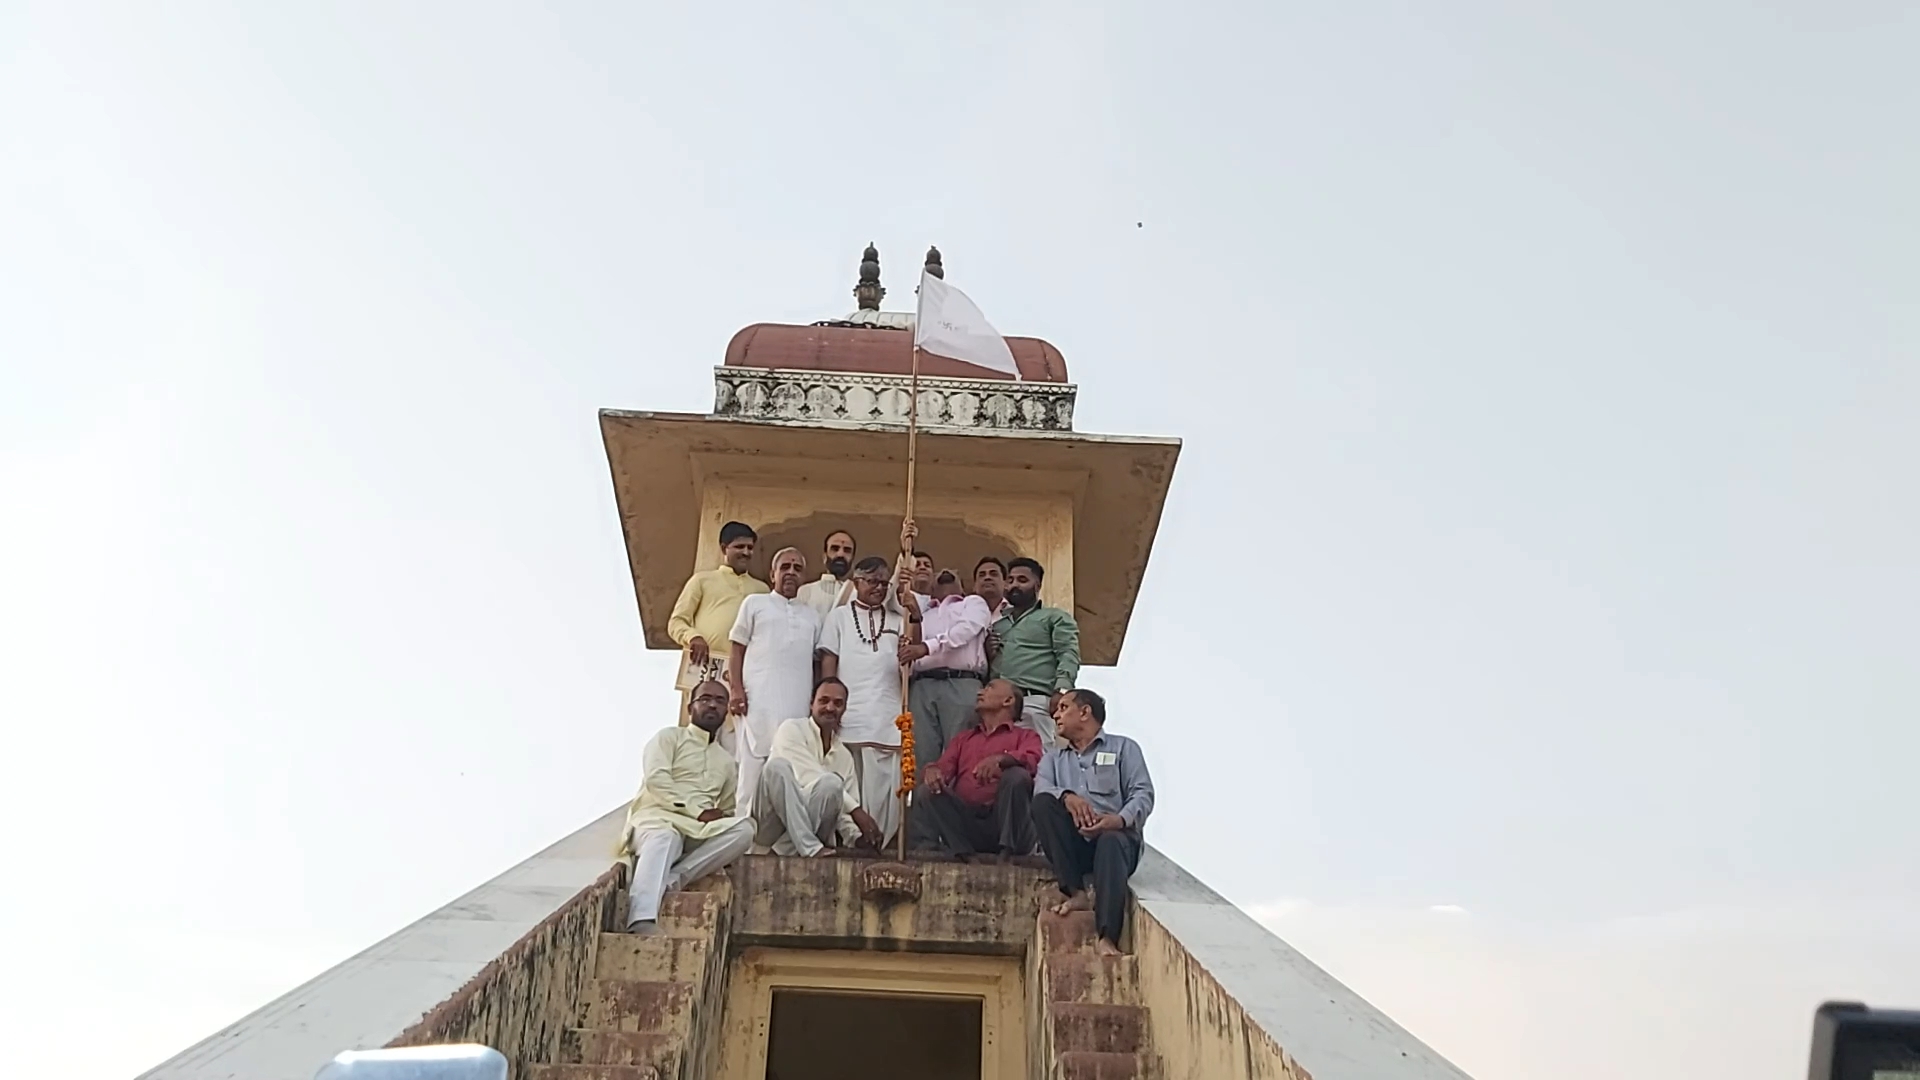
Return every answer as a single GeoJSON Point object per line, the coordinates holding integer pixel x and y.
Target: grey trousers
{"type": "Point", "coordinates": [1005, 828]}
{"type": "Point", "coordinates": [1035, 713]}
{"type": "Point", "coordinates": [791, 820]}
{"type": "Point", "coordinates": [942, 709]}
{"type": "Point", "coordinates": [664, 860]}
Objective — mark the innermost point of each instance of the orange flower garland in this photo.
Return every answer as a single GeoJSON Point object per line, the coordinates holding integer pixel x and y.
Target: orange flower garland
{"type": "Point", "coordinates": [905, 723]}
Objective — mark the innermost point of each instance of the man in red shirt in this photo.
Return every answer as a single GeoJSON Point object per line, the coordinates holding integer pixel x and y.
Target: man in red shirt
{"type": "Point", "coordinates": [975, 800]}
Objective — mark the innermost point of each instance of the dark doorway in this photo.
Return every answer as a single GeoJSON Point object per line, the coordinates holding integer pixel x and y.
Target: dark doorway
{"type": "Point", "coordinates": [817, 1035]}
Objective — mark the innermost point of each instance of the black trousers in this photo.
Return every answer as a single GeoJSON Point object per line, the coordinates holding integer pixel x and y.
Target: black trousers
{"type": "Point", "coordinates": [1109, 858]}
{"type": "Point", "coordinates": [1006, 827]}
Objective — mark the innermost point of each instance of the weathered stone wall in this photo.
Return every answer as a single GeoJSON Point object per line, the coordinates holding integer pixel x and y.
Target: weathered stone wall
{"type": "Point", "coordinates": [820, 904]}
{"type": "Point", "coordinates": [1199, 1031]}
{"type": "Point", "coordinates": [521, 1002]}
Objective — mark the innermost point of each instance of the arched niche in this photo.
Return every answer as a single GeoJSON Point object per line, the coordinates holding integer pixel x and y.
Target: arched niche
{"type": "Point", "coordinates": [952, 542]}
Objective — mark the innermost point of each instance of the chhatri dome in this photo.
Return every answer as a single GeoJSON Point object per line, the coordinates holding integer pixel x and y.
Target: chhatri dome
{"type": "Point", "coordinates": [877, 342]}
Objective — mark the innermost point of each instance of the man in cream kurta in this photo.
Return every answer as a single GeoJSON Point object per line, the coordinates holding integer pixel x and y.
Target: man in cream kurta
{"type": "Point", "coordinates": [681, 827]}
{"type": "Point", "coordinates": [771, 669]}
{"type": "Point", "coordinates": [860, 643]}
{"type": "Point", "coordinates": [808, 794]}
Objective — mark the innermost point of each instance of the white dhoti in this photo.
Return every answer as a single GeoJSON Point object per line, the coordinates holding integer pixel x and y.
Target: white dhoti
{"type": "Point", "coordinates": [1036, 714]}
{"type": "Point", "coordinates": [664, 861]}
{"type": "Point", "coordinates": [878, 770]}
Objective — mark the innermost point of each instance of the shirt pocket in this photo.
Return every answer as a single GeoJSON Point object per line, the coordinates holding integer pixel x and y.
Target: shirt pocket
{"type": "Point", "coordinates": [1104, 779]}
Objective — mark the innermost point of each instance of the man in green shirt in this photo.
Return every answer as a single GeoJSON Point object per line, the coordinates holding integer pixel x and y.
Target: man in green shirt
{"type": "Point", "coordinates": [1039, 648]}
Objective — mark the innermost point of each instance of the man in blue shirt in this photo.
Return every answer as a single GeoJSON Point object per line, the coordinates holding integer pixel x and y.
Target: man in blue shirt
{"type": "Point", "coordinates": [1090, 803]}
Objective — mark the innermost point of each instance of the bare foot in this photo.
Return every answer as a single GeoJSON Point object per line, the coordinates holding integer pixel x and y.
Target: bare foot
{"type": "Point", "coordinates": [1080, 901]}
{"type": "Point", "coordinates": [1103, 947]}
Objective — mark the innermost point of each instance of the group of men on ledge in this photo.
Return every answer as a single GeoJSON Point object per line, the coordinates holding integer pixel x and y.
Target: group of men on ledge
{"type": "Point", "coordinates": [1014, 759]}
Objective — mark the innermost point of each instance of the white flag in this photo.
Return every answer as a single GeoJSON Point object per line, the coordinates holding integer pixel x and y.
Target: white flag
{"type": "Point", "coordinates": [949, 325]}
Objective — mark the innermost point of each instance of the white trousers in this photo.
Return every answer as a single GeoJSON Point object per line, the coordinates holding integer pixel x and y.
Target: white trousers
{"type": "Point", "coordinates": [877, 770]}
{"type": "Point", "coordinates": [793, 820]}
{"type": "Point", "coordinates": [659, 867]}
{"type": "Point", "coordinates": [747, 788]}
{"type": "Point", "coordinates": [1035, 714]}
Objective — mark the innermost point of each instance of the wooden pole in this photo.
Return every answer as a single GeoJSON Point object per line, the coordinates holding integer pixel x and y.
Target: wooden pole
{"type": "Point", "coordinates": [906, 552]}
{"type": "Point", "coordinates": [913, 429]}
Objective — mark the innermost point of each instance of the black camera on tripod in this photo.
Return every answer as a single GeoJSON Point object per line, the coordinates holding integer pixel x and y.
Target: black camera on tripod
{"type": "Point", "coordinates": [1853, 1042]}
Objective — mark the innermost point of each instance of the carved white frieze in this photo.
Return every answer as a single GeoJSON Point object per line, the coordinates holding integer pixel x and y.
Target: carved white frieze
{"type": "Point", "coordinates": [833, 397]}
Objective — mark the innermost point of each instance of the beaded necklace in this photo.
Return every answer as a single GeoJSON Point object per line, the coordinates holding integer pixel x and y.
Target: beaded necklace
{"type": "Point", "coordinates": [876, 623]}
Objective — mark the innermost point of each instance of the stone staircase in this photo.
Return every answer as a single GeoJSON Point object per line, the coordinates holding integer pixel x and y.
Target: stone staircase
{"type": "Point", "coordinates": [1094, 1027]}
{"type": "Point", "coordinates": [655, 1000]}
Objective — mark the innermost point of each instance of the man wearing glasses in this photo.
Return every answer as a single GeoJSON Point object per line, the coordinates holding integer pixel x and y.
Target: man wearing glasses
{"type": "Point", "coordinates": [860, 644]}
{"type": "Point", "coordinates": [682, 827]}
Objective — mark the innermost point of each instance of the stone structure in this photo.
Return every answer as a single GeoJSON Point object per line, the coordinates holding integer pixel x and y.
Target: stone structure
{"type": "Point", "coordinates": [843, 968]}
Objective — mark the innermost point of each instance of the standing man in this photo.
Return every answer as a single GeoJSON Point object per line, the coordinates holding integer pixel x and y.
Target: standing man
{"type": "Point", "coordinates": [922, 573]}
{"type": "Point", "coordinates": [979, 793]}
{"type": "Point", "coordinates": [833, 588]}
{"type": "Point", "coordinates": [949, 662]}
{"type": "Point", "coordinates": [1039, 648]}
{"type": "Point", "coordinates": [990, 584]}
{"type": "Point", "coordinates": [860, 644]}
{"type": "Point", "coordinates": [808, 794]}
{"type": "Point", "coordinates": [708, 605]}
{"type": "Point", "coordinates": [770, 672]}
{"type": "Point", "coordinates": [1090, 805]}
{"type": "Point", "coordinates": [681, 827]}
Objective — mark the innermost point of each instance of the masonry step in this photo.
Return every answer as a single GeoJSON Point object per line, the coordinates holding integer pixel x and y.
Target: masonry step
{"type": "Point", "coordinates": [651, 957]}
{"type": "Point", "coordinates": [682, 914]}
{"type": "Point", "coordinates": [1104, 1029]}
{"type": "Point", "coordinates": [1072, 932]}
{"type": "Point", "coordinates": [1089, 978]}
{"type": "Point", "coordinates": [664, 1008]}
{"type": "Point", "coordinates": [595, 1047]}
{"type": "Point", "coordinates": [1092, 1065]}
{"type": "Point", "coordinates": [595, 1072]}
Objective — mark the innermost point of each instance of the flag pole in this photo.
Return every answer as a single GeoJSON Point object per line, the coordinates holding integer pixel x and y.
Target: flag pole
{"type": "Point", "coordinates": [906, 553]}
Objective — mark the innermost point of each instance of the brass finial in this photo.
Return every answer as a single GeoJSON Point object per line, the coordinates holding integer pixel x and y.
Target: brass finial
{"type": "Point", "coordinates": [869, 292]}
{"type": "Point", "coordinates": [933, 264]}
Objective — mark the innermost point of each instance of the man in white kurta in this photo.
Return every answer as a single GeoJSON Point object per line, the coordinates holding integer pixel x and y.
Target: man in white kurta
{"type": "Point", "coordinates": [860, 643]}
{"type": "Point", "coordinates": [771, 669]}
{"type": "Point", "coordinates": [809, 796]}
{"type": "Point", "coordinates": [681, 827]}
{"type": "Point", "coordinates": [836, 562]}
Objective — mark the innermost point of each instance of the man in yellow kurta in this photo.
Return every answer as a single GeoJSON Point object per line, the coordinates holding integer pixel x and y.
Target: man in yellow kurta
{"type": "Point", "coordinates": [704, 615]}
{"type": "Point", "coordinates": [681, 827]}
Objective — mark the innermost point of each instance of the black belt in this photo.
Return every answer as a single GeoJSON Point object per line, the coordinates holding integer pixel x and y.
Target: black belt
{"type": "Point", "coordinates": [1027, 692]}
{"type": "Point", "coordinates": [943, 674]}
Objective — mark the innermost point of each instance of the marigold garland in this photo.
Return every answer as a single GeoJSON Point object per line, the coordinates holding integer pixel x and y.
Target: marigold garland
{"type": "Point", "coordinates": [905, 723]}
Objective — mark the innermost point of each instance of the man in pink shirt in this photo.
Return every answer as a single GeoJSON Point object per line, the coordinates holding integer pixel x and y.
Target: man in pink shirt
{"type": "Point", "coordinates": [949, 661]}
{"type": "Point", "coordinates": [977, 799]}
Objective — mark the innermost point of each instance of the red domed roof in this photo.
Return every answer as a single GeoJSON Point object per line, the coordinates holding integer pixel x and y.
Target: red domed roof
{"type": "Point", "coordinates": [877, 351]}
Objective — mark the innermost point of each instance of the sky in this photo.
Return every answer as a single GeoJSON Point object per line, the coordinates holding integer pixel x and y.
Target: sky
{"type": "Point", "coordinates": [1529, 636]}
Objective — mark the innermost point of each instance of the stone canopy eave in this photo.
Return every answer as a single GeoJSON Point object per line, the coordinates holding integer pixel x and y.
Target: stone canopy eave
{"type": "Point", "coordinates": [1118, 486]}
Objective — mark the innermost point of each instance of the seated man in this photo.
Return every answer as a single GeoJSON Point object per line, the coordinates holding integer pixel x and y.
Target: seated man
{"type": "Point", "coordinates": [681, 827]}
{"type": "Point", "coordinates": [976, 799]}
{"type": "Point", "coordinates": [808, 795]}
{"type": "Point", "coordinates": [1090, 803]}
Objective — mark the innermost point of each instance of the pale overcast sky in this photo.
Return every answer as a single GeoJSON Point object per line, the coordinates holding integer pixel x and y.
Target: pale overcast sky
{"type": "Point", "coordinates": [1530, 637]}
